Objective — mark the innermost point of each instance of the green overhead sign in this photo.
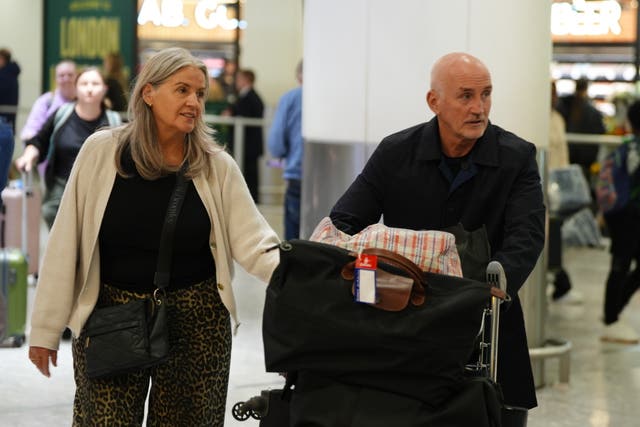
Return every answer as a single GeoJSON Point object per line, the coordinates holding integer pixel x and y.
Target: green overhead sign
{"type": "Point", "coordinates": [86, 30]}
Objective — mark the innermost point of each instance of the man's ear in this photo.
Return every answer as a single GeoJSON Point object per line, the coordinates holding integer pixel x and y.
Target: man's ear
{"type": "Point", "coordinates": [432, 101]}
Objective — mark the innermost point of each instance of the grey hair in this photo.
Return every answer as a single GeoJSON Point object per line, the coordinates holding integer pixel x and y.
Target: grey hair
{"type": "Point", "coordinates": [140, 134]}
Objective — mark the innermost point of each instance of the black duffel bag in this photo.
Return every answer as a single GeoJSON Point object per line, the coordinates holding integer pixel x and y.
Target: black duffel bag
{"type": "Point", "coordinates": [312, 323]}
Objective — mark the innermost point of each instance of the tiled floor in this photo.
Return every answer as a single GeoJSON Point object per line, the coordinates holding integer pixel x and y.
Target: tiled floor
{"type": "Point", "coordinates": [603, 391]}
{"type": "Point", "coordinates": [605, 378]}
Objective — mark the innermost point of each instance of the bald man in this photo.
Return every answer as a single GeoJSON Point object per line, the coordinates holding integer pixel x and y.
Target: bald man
{"type": "Point", "coordinates": [460, 168]}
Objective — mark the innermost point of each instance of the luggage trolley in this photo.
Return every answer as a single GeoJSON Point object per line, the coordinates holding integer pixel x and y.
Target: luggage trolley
{"type": "Point", "coordinates": [271, 407]}
{"type": "Point", "coordinates": [486, 364]}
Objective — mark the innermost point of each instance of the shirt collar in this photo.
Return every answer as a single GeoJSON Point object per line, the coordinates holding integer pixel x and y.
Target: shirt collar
{"type": "Point", "coordinates": [484, 152]}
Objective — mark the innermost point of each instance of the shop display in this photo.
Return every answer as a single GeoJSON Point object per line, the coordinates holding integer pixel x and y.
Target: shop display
{"type": "Point", "coordinates": [596, 40]}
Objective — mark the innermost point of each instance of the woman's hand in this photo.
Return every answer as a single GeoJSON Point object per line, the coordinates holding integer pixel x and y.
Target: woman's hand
{"type": "Point", "coordinates": [28, 159]}
{"type": "Point", "coordinates": [40, 357]}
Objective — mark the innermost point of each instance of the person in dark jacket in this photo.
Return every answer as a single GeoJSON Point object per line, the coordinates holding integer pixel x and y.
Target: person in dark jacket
{"type": "Point", "coordinates": [6, 152]}
{"type": "Point", "coordinates": [9, 87]}
{"type": "Point", "coordinates": [117, 84]}
{"type": "Point", "coordinates": [624, 230]}
{"type": "Point", "coordinates": [578, 113]}
{"type": "Point", "coordinates": [581, 116]}
{"type": "Point", "coordinates": [460, 168]}
{"type": "Point", "coordinates": [249, 104]}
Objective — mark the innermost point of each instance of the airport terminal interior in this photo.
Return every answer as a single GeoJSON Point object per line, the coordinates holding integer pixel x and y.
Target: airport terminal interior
{"type": "Point", "coordinates": [589, 383]}
{"type": "Point", "coordinates": [604, 379]}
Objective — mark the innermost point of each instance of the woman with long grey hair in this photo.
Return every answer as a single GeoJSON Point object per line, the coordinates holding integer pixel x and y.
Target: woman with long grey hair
{"type": "Point", "coordinates": [108, 229]}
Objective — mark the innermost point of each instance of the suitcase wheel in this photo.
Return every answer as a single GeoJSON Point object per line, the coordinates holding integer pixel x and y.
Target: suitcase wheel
{"type": "Point", "coordinates": [256, 408]}
{"type": "Point", "coordinates": [18, 340]}
{"type": "Point", "coordinates": [12, 341]}
{"type": "Point", "coordinates": [239, 413]}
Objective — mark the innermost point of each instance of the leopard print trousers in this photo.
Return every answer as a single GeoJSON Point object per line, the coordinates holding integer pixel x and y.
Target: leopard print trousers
{"type": "Point", "coordinates": [190, 389]}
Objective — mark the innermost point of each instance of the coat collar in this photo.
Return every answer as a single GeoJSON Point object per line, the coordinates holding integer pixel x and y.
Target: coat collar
{"type": "Point", "coordinates": [484, 152]}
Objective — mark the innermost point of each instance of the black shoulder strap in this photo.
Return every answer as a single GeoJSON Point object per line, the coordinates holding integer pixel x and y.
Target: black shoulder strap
{"type": "Point", "coordinates": [163, 269]}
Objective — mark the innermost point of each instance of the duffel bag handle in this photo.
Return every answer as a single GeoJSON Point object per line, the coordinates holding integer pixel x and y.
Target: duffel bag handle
{"type": "Point", "coordinates": [397, 261]}
{"type": "Point", "coordinates": [404, 264]}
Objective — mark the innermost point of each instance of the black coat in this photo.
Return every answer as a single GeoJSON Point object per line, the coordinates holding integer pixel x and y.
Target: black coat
{"type": "Point", "coordinates": [250, 105]}
{"type": "Point", "coordinates": [580, 116]}
{"type": "Point", "coordinates": [9, 89]}
{"type": "Point", "coordinates": [406, 181]}
{"type": "Point", "coordinates": [116, 94]}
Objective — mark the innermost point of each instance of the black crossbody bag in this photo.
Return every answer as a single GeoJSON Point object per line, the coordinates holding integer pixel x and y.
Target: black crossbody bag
{"type": "Point", "coordinates": [132, 336]}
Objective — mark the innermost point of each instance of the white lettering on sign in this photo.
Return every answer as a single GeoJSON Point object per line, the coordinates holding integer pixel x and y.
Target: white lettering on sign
{"type": "Point", "coordinates": [170, 13]}
{"type": "Point", "coordinates": [149, 12]}
{"type": "Point", "coordinates": [582, 17]}
{"type": "Point", "coordinates": [210, 15]}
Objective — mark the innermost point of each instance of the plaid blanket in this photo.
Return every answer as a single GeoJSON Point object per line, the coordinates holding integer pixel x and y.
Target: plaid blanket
{"type": "Point", "coordinates": [433, 251]}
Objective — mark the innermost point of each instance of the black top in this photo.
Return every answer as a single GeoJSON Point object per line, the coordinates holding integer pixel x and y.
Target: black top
{"type": "Point", "coordinates": [9, 90]}
{"type": "Point", "coordinates": [130, 235]}
{"type": "Point", "coordinates": [68, 140]}
{"type": "Point", "coordinates": [250, 105]}
{"type": "Point", "coordinates": [580, 116]}
{"type": "Point", "coordinates": [116, 94]}
{"type": "Point", "coordinates": [455, 164]}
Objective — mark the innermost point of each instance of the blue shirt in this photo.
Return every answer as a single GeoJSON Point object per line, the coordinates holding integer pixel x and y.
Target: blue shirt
{"type": "Point", "coordinates": [6, 151]}
{"type": "Point", "coordinates": [285, 135]}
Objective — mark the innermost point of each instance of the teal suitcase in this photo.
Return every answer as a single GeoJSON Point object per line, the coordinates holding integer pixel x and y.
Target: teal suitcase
{"type": "Point", "coordinates": [13, 297]}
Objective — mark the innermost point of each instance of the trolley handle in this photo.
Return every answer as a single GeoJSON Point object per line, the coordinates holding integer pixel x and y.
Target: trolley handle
{"type": "Point", "coordinates": [497, 279]}
{"type": "Point", "coordinates": [27, 191]}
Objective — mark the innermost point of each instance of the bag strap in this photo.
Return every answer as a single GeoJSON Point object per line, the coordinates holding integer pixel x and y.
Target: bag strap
{"type": "Point", "coordinates": [398, 261]}
{"type": "Point", "coordinates": [61, 116]}
{"type": "Point", "coordinates": [113, 118]}
{"type": "Point", "coordinates": [163, 269]}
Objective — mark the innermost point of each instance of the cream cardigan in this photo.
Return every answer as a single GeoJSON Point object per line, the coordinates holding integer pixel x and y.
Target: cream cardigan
{"type": "Point", "coordinates": [69, 280]}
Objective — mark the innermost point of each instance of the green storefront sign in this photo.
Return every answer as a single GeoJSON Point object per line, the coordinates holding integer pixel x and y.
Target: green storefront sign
{"type": "Point", "coordinates": [85, 31]}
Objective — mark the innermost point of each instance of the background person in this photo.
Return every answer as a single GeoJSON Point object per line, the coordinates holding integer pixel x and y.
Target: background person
{"type": "Point", "coordinates": [558, 146]}
{"type": "Point", "coordinates": [472, 172]}
{"type": "Point", "coordinates": [9, 86]}
{"type": "Point", "coordinates": [61, 137]}
{"type": "Point", "coordinates": [6, 152]}
{"type": "Point", "coordinates": [117, 84]}
{"type": "Point", "coordinates": [558, 158]}
{"type": "Point", "coordinates": [285, 141]}
{"type": "Point", "coordinates": [581, 116]}
{"type": "Point", "coordinates": [109, 227]}
{"type": "Point", "coordinates": [624, 231]}
{"type": "Point", "coordinates": [216, 93]}
{"type": "Point", "coordinates": [49, 102]}
{"type": "Point", "coordinates": [249, 104]}
{"type": "Point", "coordinates": [227, 80]}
